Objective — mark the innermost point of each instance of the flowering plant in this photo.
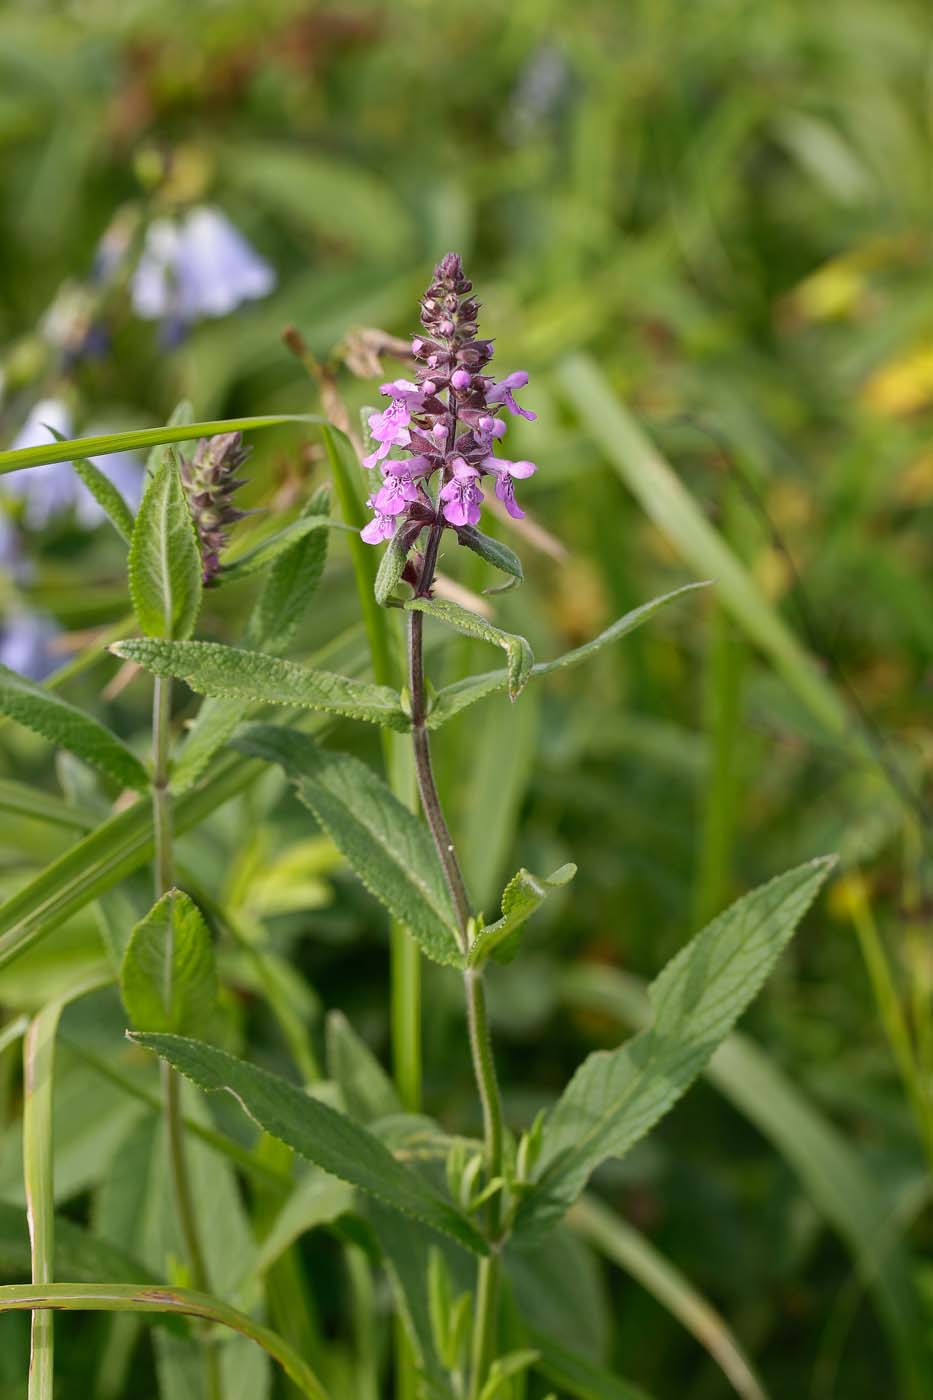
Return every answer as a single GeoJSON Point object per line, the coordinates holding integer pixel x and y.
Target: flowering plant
{"type": "Point", "coordinates": [463, 1225]}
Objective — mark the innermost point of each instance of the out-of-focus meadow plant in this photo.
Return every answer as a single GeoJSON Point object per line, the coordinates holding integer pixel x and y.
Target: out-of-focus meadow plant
{"type": "Point", "coordinates": [705, 236]}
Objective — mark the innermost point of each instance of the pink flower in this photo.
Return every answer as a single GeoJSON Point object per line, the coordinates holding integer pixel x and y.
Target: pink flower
{"type": "Point", "coordinates": [502, 393]}
{"type": "Point", "coordinates": [461, 496]}
{"type": "Point", "coordinates": [381, 527]}
{"type": "Point", "coordinates": [390, 429]}
{"type": "Point", "coordinates": [396, 491]}
{"type": "Point", "coordinates": [506, 473]}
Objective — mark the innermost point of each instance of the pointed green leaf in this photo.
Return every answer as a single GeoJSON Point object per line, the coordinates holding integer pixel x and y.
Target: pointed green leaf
{"type": "Point", "coordinates": [214, 669]}
{"type": "Point", "coordinates": [454, 698]}
{"type": "Point", "coordinates": [522, 896]}
{"type": "Point", "coordinates": [315, 1131]}
{"type": "Point", "coordinates": [165, 558]}
{"type": "Point", "coordinates": [37, 708]}
{"type": "Point", "coordinates": [290, 583]}
{"type": "Point", "coordinates": [382, 840]}
{"type": "Point", "coordinates": [168, 979]}
{"type": "Point", "coordinates": [367, 1090]}
{"type": "Point", "coordinates": [107, 497]}
{"type": "Point", "coordinates": [495, 553]}
{"type": "Point", "coordinates": [617, 1096]}
{"type": "Point", "coordinates": [518, 653]}
{"type": "Point", "coordinates": [275, 545]}
{"type": "Point", "coordinates": [391, 567]}
{"type": "Point", "coordinates": [578, 1376]}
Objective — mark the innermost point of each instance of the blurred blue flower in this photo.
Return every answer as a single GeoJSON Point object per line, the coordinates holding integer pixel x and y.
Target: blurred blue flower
{"type": "Point", "coordinates": [52, 490]}
{"type": "Point", "coordinates": [25, 644]}
{"type": "Point", "coordinates": [196, 268]}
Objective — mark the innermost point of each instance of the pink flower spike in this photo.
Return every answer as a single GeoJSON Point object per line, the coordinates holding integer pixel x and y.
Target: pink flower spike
{"type": "Point", "coordinates": [506, 493]}
{"type": "Point", "coordinates": [502, 393]}
{"type": "Point", "coordinates": [394, 494]}
{"type": "Point", "coordinates": [522, 469]}
{"type": "Point", "coordinates": [461, 379]}
{"type": "Point", "coordinates": [411, 466]}
{"type": "Point", "coordinates": [404, 389]}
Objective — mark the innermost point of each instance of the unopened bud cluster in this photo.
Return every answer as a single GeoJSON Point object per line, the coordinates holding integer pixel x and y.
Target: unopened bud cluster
{"type": "Point", "coordinates": [446, 421]}
{"type": "Point", "coordinates": [209, 479]}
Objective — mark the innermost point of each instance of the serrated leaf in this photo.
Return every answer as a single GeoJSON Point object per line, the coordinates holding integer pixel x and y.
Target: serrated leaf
{"type": "Point", "coordinates": [39, 709]}
{"type": "Point", "coordinates": [520, 659]}
{"type": "Point", "coordinates": [214, 669]}
{"type": "Point", "coordinates": [275, 545]}
{"type": "Point", "coordinates": [453, 698]}
{"type": "Point", "coordinates": [495, 553]}
{"type": "Point", "coordinates": [617, 1096]}
{"type": "Point", "coordinates": [330, 1139]}
{"type": "Point", "coordinates": [105, 494]}
{"type": "Point", "coordinates": [168, 977]}
{"type": "Point", "coordinates": [382, 840]}
{"type": "Point", "coordinates": [290, 583]}
{"type": "Point", "coordinates": [367, 1090]}
{"type": "Point", "coordinates": [165, 559]}
{"type": "Point", "coordinates": [522, 896]}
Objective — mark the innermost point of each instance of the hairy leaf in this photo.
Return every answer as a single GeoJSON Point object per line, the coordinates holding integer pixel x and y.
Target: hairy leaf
{"type": "Point", "coordinates": [165, 558]}
{"type": "Point", "coordinates": [383, 842]}
{"type": "Point", "coordinates": [275, 545]}
{"type": "Point", "coordinates": [617, 1096]}
{"type": "Point", "coordinates": [518, 652]}
{"type": "Point", "coordinates": [522, 896]}
{"type": "Point", "coordinates": [330, 1139]}
{"type": "Point", "coordinates": [37, 708]}
{"type": "Point", "coordinates": [495, 553]}
{"type": "Point", "coordinates": [107, 497]}
{"type": "Point", "coordinates": [454, 698]}
{"type": "Point", "coordinates": [168, 979]}
{"type": "Point", "coordinates": [391, 567]}
{"type": "Point", "coordinates": [214, 669]}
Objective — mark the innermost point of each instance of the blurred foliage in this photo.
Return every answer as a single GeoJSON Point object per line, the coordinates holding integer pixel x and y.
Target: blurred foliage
{"type": "Point", "coordinates": [728, 206]}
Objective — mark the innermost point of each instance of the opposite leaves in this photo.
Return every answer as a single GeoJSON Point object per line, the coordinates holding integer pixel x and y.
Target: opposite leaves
{"type": "Point", "coordinates": [315, 1131]}
{"type": "Point", "coordinates": [383, 842]}
{"type": "Point", "coordinates": [168, 979]}
{"type": "Point", "coordinates": [69, 728]}
{"type": "Point", "coordinates": [616, 1096]}
{"type": "Point", "coordinates": [165, 558]}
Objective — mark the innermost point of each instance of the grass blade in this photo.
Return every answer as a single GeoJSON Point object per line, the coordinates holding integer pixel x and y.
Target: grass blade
{"type": "Point", "coordinates": [625, 1246]}
{"type": "Point", "coordinates": [184, 1302]}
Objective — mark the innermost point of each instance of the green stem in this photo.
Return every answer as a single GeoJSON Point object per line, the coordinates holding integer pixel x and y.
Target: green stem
{"type": "Point", "coordinates": [171, 1088]}
{"type": "Point", "coordinates": [487, 1287]}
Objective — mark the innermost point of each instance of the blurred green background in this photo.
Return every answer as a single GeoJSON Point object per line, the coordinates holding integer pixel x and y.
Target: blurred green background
{"type": "Point", "coordinates": [725, 207]}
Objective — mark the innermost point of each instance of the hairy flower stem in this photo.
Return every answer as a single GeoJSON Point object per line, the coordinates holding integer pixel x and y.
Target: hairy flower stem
{"type": "Point", "coordinates": [171, 1096]}
{"type": "Point", "coordinates": [485, 1313]}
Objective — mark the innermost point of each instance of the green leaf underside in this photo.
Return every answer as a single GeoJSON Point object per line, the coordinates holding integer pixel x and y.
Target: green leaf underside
{"type": "Point", "coordinates": [494, 552]}
{"type": "Point", "coordinates": [275, 545]}
{"type": "Point", "coordinates": [159, 1298]}
{"type": "Point", "coordinates": [68, 449]}
{"type": "Point", "coordinates": [168, 979]}
{"type": "Point", "coordinates": [520, 660]}
{"type": "Point", "coordinates": [453, 698]}
{"type": "Point", "coordinates": [382, 841]}
{"type": "Point", "coordinates": [521, 897]}
{"type": "Point", "coordinates": [165, 558]}
{"type": "Point", "coordinates": [317, 1132]}
{"type": "Point", "coordinates": [367, 1090]}
{"type": "Point", "coordinates": [617, 1096]}
{"type": "Point", "coordinates": [214, 669]}
{"type": "Point", "coordinates": [67, 727]}
{"type": "Point", "coordinates": [286, 592]}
